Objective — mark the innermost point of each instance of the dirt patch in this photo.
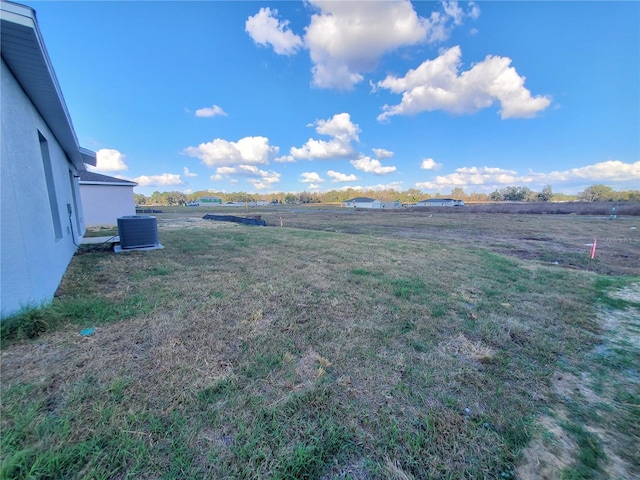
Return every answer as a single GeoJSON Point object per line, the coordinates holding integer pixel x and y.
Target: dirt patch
{"type": "Point", "coordinates": [353, 471]}
{"type": "Point", "coordinates": [553, 450]}
{"type": "Point", "coordinates": [630, 293]}
{"type": "Point", "coordinates": [623, 327]}
{"type": "Point", "coordinates": [310, 367]}
{"type": "Point", "coordinates": [566, 384]}
{"type": "Point", "coordinates": [169, 222]}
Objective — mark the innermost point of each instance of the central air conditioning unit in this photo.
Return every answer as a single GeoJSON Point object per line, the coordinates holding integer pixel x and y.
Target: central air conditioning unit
{"type": "Point", "coordinates": [138, 231]}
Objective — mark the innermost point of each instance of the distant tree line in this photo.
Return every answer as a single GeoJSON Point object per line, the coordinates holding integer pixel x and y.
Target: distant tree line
{"type": "Point", "coordinates": [594, 193]}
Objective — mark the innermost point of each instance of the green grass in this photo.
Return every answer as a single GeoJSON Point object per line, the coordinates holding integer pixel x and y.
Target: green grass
{"type": "Point", "coordinates": [240, 352]}
{"type": "Point", "coordinates": [603, 285]}
{"type": "Point", "coordinates": [590, 454]}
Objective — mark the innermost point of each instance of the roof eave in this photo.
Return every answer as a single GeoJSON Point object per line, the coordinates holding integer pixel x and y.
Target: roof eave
{"type": "Point", "coordinates": [110, 184]}
{"type": "Point", "coordinates": [21, 19]}
{"type": "Point", "coordinates": [88, 156]}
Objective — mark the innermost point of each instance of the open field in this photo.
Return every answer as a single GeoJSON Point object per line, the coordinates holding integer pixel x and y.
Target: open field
{"type": "Point", "coordinates": [543, 238]}
{"type": "Point", "coordinates": [362, 345]}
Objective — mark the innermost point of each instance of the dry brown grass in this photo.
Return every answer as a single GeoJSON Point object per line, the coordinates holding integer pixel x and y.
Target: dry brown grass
{"type": "Point", "coordinates": [548, 208]}
{"type": "Point", "coordinates": [546, 238]}
{"type": "Point", "coordinates": [300, 353]}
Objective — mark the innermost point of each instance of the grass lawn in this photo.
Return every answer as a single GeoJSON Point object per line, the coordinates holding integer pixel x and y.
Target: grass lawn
{"type": "Point", "coordinates": [341, 346]}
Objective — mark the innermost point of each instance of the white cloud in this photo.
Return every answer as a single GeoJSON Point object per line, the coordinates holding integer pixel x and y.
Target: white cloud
{"type": "Point", "coordinates": [187, 173]}
{"type": "Point", "coordinates": [430, 164]}
{"type": "Point", "coordinates": [382, 153]}
{"type": "Point", "coordinates": [358, 188]}
{"type": "Point", "coordinates": [376, 188]}
{"type": "Point", "coordinates": [265, 29]}
{"type": "Point", "coordinates": [210, 111]}
{"type": "Point", "coordinates": [162, 180]}
{"type": "Point", "coordinates": [370, 165]}
{"type": "Point", "coordinates": [341, 177]}
{"type": "Point", "coordinates": [456, 14]}
{"type": "Point", "coordinates": [285, 159]}
{"type": "Point", "coordinates": [342, 130]}
{"type": "Point", "coordinates": [340, 127]}
{"type": "Point", "coordinates": [265, 182]}
{"type": "Point", "coordinates": [472, 176]}
{"type": "Point", "coordinates": [386, 186]}
{"type": "Point", "coordinates": [109, 160]}
{"type": "Point", "coordinates": [246, 151]}
{"type": "Point", "coordinates": [322, 149]}
{"type": "Point", "coordinates": [611, 170]}
{"type": "Point", "coordinates": [438, 85]}
{"type": "Point", "coordinates": [310, 177]}
{"type": "Point", "coordinates": [490, 178]}
{"type": "Point", "coordinates": [615, 173]}
{"type": "Point", "coordinates": [347, 39]}
{"type": "Point", "coordinates": [474, 11]}
{"type": "Point", "coordinates": [260, 179]}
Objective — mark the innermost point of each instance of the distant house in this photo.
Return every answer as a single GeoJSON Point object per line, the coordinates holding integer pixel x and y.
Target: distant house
{"type": "Point", "coordinates": [362, 202]}
{"type": "Point", "coordinates": [105, 198]}
{"type": "Point", "coordinates": [395, 204]}
{"type": "Point", "coordinates": [365, 202]}
{"type": "Point", "coordinates": [440, 202]}
{"type": "Point", "coordinates": [40, 159]}
{"type": "Point", "coordinates": [209, 201]}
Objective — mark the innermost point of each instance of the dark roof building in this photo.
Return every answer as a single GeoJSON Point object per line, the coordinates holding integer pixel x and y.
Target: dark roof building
{"type": "Point", "coordinates": [92, 178]}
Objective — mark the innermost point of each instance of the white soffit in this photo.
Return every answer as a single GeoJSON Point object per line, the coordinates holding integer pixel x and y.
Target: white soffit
{"type": "Point", "coordinates": [24, 52]}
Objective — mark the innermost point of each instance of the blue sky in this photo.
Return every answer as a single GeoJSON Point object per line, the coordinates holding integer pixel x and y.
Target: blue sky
{"type": "Point", "coordinates": [292, 96]}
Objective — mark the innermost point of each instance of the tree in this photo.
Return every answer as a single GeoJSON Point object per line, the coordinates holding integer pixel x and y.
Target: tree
{"type": "Point", "coordinates": [546, 194]}
{"type": "Point", "coordinates": [306, 197]}
{"type": "Point", "coordinates": [176, 198]}
{"type": "Point", "coordinates": [241, 197]}
{"type": "Point", "coordinates": [458, 194]}
{"type": "Point", "coordinates": [157, 198]}
{"type": "Point", "coordinates": [413, 195]}
{"type": "Point", "coordinates": [478, 197]}
{"type": "Point", "coordinates": [139, 199]}
{"type": "Point", "coordinates": [630, 196]}
{"type": "Point", "coordinates": [597, 193]}
{"type": "Point", "coordinates": [515, 194]}
{"type": "Point", "coordinates": [496, 196]}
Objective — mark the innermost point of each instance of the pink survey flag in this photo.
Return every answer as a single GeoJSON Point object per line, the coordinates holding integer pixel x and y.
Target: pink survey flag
{"type": "Point", "coordinates": [593, 249]}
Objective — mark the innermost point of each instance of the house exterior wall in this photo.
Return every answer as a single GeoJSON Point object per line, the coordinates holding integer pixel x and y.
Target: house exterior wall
{"type": "Point", "coordinates": [204, 201]}
{"type": "Point", "coordinates": [103, 204]}
{"type": "Point", "coordinates": [374, 204]}
{"type": "Point", "coordinates": [390, 204]}
{"type": "Point", "coordinates": [33, 260]}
